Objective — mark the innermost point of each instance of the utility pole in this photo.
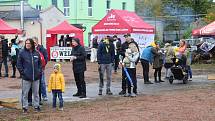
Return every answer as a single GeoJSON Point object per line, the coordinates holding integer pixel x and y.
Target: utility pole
{"type": "Point", "coordinates": [22, 14]}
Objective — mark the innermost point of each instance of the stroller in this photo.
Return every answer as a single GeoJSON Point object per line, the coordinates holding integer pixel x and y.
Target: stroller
{"type": "Point", "coordinates": [179, 71]}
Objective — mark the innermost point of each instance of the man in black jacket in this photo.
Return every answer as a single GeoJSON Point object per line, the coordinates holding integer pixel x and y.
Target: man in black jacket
{"type": "Point", "coordinates": [125, 46]}
{"type": "Point", "coordinates": [30, 67]}
{"type": "Point", "coordinates": [79, 67]}
{"type": "Point", "coordinates": [4, 51]}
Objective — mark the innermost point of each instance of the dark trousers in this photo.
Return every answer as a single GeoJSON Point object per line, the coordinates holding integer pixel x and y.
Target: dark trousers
{"type": "Point", "coordinates": [132, 73]}
{"type": "Point", "coordinates": [14, 67]}
{"type": "Point", "coordinates": [116, 62]}
{"type": "Point", "coordinates": [4, 60]}
{"type": "Point", "coordinates": [157, 73]}
{"type": "Point", "coordinates": [57, 93]}
{"type": "Point", "coordinates": [30, 93]}
{"type": "Point", "coordinates": [124, 83]}
{"type": "Point", "coordinates": [80, 83]}
{"type": "Point", "coordinates": [145, 66]}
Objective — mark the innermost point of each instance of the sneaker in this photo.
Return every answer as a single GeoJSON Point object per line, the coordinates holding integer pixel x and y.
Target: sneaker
{"type": "Point", "coordinates": [127, 95]}
{"type": "Point", "coordinates": [133, 95]}
{"type": "Point", "coordinates": [108, 92]}
{"type": "Point", "coordinates": [45, 99]}
{"type": "Point", "coordinates": [161, 81]}
{"type": "Point", "coordinates": [24, 111]}
{"type": "Point", "coordinates": [60, 109]}
{"type": "Point", "coordinates": [122, 92]}
{"type": "Point", "coordinates": [37, 109]}
{"type": "Point", "coordinates": [100, 92]}
{"type": "Point", "coordinates": [76, 95]}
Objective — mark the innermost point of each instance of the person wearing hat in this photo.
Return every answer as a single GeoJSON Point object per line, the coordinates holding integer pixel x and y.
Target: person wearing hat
{"type": "Point", "coordinates": [105, 56]}
{"type": "Point", "coordinates": [56, 85]}
{"type": "Point", "coordinates": [146, 58]}
{"type": "Point", "coordinates": [78, 59]}
{"type": "Point", "coordinates": [125, 45]}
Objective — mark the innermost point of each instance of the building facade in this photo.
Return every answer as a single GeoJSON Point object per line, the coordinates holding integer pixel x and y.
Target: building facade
{"type": "Point", "coordinates": [85, 13]}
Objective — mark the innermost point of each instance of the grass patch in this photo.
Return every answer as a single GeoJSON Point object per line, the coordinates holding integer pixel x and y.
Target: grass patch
{"type": "Point", "coordinates": [203, 66]}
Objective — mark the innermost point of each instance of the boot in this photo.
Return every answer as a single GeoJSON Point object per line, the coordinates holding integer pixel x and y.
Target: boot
{"type": "Point", "coordinates": [77, 94]}
{"type": "Point", "coordinates": [83, 95]}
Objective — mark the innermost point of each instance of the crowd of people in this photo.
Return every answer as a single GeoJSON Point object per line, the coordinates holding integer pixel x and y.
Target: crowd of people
{"type": "Point", "coordinates": [31, 58]}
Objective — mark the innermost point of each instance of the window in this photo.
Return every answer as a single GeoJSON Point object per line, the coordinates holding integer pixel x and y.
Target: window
{"type": "Point", "coordinates": [108, 6]}
{"type": "Point", "coordinates": [54, 2]}
{"type": "Point", "coordinates": [38, 7]}
{"type": "Point", "coordinates": [123, 5]}
{"type": "Point", "coordinates": [66, 7]}
{"type": "Point", "coordinates": [90, 7]}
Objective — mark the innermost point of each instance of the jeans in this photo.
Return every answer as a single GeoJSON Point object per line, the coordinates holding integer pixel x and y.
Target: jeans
{"type": "Point", "coordinates": [102, 69]}
{"type": "Point", "coordinates": [116, 59]}
{"type": "Point", "coordinates": [4, 60]}
{"type": "Point", "coordinates": [57, 93]}
{"type": "Point", "coordinates": [43, 85]}
{"type": "Point", "coordinates": [132, 74]}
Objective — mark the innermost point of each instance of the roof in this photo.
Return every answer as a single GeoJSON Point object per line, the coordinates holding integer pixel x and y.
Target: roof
{"type": "Point", "coordinates": [6, 29]}
{"type": "Point", "coordinates": [206, 30]}
{"type": "Point", "coordinates": [64, 28]}
{"type": "Point", "coordinates": [12, 12]}
{"type": "Point", "coordinates": [120, 22]}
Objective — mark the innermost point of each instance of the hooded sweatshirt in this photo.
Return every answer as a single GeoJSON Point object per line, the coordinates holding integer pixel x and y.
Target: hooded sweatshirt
{"type": "Point", "coordinates": [56, 80]}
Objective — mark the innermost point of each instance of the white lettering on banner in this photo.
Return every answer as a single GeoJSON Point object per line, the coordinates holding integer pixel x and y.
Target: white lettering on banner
{"type": "Point", "coordinates": [143, 30]}
{"type": "Point", "coordinates": [105, 30]}
{"type": "Point", "coordinates": [106, 24]}
{"type": "Point", "coordinates": [60, 52]}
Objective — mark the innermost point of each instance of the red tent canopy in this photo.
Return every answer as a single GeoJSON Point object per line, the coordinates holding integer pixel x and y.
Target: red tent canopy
{"type": "Point", "coordinates": [120, 22]}
{"type": "Point", "coordinates": [62, 28]}
{"type": "Point", "coordinates": [6, 29]}
{"type": "Point", "coordinates": [206, 30]}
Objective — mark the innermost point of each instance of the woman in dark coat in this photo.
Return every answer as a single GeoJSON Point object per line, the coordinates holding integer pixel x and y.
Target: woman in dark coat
{"type": "Point", "coordinates": [79, 67]}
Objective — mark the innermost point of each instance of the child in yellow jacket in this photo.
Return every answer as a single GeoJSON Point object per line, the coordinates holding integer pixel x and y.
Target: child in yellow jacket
{"type": "Point", "coordinates": [57, 85]}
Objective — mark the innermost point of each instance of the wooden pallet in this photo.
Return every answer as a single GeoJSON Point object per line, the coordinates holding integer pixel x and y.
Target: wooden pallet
{"type": "Point", "coordinates": [211, 77]}
{"type": "Point", "coordinates": [10, 103]}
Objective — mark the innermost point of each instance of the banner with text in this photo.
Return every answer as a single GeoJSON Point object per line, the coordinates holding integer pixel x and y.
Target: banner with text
{"type": "Point", "coordinates": [60, 52]}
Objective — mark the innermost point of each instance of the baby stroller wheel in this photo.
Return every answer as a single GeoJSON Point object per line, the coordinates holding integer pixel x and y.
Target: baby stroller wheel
{"type": "Point", "coordinates": [171, 79]}
{"type": "Point", "coordinates": [185, 79]}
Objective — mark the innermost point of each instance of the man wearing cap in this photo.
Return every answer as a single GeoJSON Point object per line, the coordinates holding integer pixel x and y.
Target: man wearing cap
{"type": "Point", "coordinates": [125, 45]}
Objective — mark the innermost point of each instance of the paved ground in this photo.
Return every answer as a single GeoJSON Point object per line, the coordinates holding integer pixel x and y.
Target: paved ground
{"type": "Point", "coordinates": [92, 88]}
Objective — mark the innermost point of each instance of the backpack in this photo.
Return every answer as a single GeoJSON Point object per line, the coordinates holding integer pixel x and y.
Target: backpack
{"type": "Point", "coordinates": [43, 61]}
